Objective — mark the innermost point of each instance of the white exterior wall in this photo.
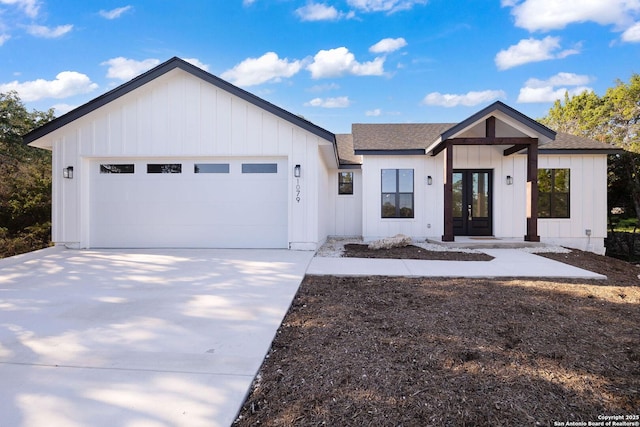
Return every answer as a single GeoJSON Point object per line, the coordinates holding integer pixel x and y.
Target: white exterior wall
{"type": "Point", "coordinates": [427, 198]}
{"type": "Point", "coordinates": [345, 210]}
{"type": "Point", "coordinates": [178, 116]}
{"type": "Point", "coordinates": [588, 203]}
{"type": "Point", "coordinates": [588, 196]}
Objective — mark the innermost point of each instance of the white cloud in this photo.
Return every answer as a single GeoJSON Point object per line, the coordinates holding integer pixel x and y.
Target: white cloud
{"type": "Point", "coordinates": [66, 84]}
{"type": "Point", "coordinates": [531, 50]}
{"type": "Point", "coordinates": [388, 45]}
{"type": "Point", "coordinates": [267, 68]}
{"type": "Point", "coordinates": [339, 102]}
{"type": "Point", "coordinates": [632, 34]}
{"type": "Point", "coordinates": [30, 7]}
{"type": "Point", "coordinates": [373, 113]}
{"type": "Point", "coordinates": [197, 63]}
{"type": "Point", "coordinates": [318, 12]}
{"type": "Point", "coordinates": [4, 38]}
{"type": "Point", "coordinates": [248, 2]}
{"type": "Point", "coordinates": [469, 99]}
{"type": "Point", "coordinates": [546, 15]}
{"type": "Point", "coordinates": [324, 87]}
{"type": "Point", "coordinates": [61, 109]}
{"type": "Point", "coordinates": [47, 32]}
{"type": "Point", "coordinates": [125, 69]}
{"type": "Point", "coordinates": [115, 13]}
{"type": "Point", "coordinates": [338, 62]}
{"type": "Point", "coordinates": [389, 6]}
{"type": "Point", "coordinates": [536, 90]}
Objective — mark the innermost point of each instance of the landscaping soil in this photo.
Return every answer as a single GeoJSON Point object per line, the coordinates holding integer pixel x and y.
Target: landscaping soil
{"type": "Point", "coordinates": [353, 250]}
{"type": "Point", "coordinates": [382, 351]}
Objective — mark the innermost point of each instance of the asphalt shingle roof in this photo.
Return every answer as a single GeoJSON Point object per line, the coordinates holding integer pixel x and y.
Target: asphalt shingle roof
{"type": "Point", "coordinates": [419, 136]}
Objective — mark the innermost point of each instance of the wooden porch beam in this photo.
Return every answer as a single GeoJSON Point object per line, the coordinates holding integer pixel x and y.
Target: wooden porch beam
{"type": "Point", "coordinates": [514, 149]}
{"type": "Point", "coordinates": [483, 141]}
{"type": "Point", "coordinates": [532, 194]}
{"type": "Point", "coordinates": [490, 126]}
{"type": "Point", "coordinates": [448, 193]}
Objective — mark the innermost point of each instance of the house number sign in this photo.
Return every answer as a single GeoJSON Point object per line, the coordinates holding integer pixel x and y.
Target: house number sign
{"type": "Point", "coordinates": [298, 190]}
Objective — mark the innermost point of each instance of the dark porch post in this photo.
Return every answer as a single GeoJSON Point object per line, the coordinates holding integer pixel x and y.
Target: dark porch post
{"type": "Point", "coordinates": [448, 193]}
{"type": "Point", "coordinates": [532, 193]}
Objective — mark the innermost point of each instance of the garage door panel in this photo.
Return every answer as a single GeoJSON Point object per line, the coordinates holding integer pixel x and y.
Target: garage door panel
{"type": "Point", "coordinates": [190, 209]}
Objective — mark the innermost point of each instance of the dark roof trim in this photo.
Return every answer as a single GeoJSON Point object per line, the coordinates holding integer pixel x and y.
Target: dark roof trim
{"type": "Point", "coordinates": [515, 114]}
{"type": "Point", "coordinates": [350, 167]}
{"type": "Point", "coordinates": [581, 151]}
{"type": "Point", "coordinates": [159, 71]}
{"type": "Point", "coordinates": [409, 152]}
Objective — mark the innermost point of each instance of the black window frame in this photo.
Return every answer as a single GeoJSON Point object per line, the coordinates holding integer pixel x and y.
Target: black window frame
{"type": "Point", "coordinates": [117, 168]}
{"type": "Point", "coordinates": [164, 168]}
{"type": "Point", "coordinates": [208, 168]}
{"type": "Point", "coordinates": [345, 188]}
{"type": "Point", "coordinates": [554, 199]}
{"type": "Point", "coordinates": [397, 195]}
{"type": "Point", "coordinates": [259, 168]}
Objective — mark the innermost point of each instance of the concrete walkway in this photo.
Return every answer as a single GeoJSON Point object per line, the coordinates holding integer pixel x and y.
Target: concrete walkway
{"type": "Point", "coordinates": [506, 263]}
{"type": "Point", "coordinates": [153, 338]}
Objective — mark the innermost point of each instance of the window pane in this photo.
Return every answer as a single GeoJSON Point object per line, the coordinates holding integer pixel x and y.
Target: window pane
{"type": "Point", "coordinates": [346, 188]}
{"type": "Point", "coordinates": [406, 206]}
{"type": "Point", "coordinates": [406, 180]}
{"type": "Point", "coordinates": [560, 204]}
{"type": "Point", "coordinates": [345, 177]}
{"type": "Point", "coordinates": [164, 168]}
{"type": "Point", "coordinates": [117, 168]}
{"type": "Point", "coordinates": [211, 168]}
{"type": "Point", "coordinates": [388, 180]}
{"type": "Point", "coordinates": [259, 168]}
{"type": "Point", "coordinates": [544, 205]}
{"type": "Point", "coordinates": [561, 183]}
{"type": "Point", "coordinates": [481, 195]}
{"type": "Point", "coordinates": [388, 205]}
{"type": "Point", "coordinates": [457, 195]}
{"type": "Point", "coordinates": [544, 180]}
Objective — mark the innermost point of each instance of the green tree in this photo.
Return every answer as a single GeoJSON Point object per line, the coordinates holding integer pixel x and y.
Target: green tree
{"type": "Point", "coordinates": [612, 118]}
{"type": "Point", "coordinates": [25, 180]}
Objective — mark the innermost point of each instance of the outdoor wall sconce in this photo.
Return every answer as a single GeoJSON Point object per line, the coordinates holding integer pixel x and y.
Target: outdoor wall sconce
{"type": "Point", "coordinates": [67, 172]}
{"type": "Point", "coordinates": [429, 180]}
{"type": "Point", "coordinates": [296, 171]}
{"type": "Point", "coordinates": [509, 180]}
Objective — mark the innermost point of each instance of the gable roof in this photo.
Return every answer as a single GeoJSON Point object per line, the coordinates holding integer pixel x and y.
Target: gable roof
{"type": "Point", "coordinates": [505, 109]}
{"type": "Point", "coordinates": [158, 71]}
{"type": "Point", "coordinates": [421, 138]}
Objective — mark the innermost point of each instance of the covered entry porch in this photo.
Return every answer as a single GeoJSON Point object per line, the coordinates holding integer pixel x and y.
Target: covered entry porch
{"type": "Point", "coordinates": [469, 194]}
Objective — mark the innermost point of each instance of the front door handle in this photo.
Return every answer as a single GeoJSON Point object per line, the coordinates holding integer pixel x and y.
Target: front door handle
{"type": "Point", "coordinates": [469, 211]}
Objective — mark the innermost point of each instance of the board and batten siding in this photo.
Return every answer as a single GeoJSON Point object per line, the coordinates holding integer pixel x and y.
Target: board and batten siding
{"type": "Point", "coordinates": [345, 210]}
{"type": "Point", "coordinates": [588, 203]}
{"type": "Point", "coordinates": [176, 116]}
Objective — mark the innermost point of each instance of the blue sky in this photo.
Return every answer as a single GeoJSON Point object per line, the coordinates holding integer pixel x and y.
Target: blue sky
{"type": "Point", "coordinates": [335, 62]}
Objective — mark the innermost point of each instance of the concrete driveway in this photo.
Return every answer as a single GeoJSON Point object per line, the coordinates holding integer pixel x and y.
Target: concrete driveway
{"type": "Point", "coordinates": [138, 338]}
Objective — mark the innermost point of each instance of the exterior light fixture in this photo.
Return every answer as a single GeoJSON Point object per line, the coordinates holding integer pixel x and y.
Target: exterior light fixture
{"type": "Point", "coordinates": [296, 171]}
{"type": "Point", "coordinates": [509, 180]}
{"type": "Point", "coordinates": [429, 180]}
{"type": "Point", "coordinates": [67, 172]}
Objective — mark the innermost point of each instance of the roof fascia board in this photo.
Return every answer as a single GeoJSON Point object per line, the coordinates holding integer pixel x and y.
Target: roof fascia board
{"type": "Point", "coordinates": [161, 70]}
{"type": "Point", "coordinates": [408, 152]}
{"type": "Point", "coordinates": [580, 151]}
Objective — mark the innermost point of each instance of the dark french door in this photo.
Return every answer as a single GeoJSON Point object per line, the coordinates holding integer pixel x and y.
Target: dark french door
{"type": "Point", "coordinates": [472, 192]}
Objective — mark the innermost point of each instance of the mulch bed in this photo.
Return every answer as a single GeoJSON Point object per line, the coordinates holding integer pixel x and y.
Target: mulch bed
{"type": "Point", "coordinates": [381, 351]}
{"type": "Point", "coordinates": [354, 250]}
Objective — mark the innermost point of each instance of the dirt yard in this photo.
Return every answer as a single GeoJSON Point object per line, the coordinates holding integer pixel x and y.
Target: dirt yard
{"type": "Point", "coordinates": [380, 351]}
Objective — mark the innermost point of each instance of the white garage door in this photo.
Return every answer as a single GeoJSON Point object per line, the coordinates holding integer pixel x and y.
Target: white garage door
{"type": "Point", "coordinates": [213, 203]}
